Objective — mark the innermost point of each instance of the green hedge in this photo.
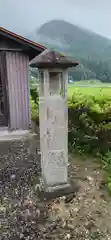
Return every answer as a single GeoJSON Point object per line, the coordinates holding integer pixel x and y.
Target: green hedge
{"type": "Point", "coordinates": [90, 128]}
{"type": "Point", "coordinates": [90, 122]}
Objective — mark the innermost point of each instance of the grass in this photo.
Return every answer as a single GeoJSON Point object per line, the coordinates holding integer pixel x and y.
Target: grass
{"type": "Point", "coordinates": [89, 89]}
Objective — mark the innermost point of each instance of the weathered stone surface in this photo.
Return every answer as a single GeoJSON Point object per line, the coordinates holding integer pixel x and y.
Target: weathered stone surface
{"type": "Point", "coordinates": [55, 168]}
{"type": "Point", "coordinates": [53, 140]}
{"type": "Point", "coordinates": [57, 191]}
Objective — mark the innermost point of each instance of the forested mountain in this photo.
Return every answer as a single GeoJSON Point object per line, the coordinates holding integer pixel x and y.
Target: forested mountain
{"type": "Point", "coordinates": [92, 50]}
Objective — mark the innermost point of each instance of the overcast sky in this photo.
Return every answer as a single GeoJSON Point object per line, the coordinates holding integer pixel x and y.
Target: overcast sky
{"type": "Point", "coordinates": [23, 16]}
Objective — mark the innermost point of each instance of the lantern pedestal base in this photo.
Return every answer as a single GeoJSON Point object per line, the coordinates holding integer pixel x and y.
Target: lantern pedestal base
{"type": "Point", "coordinates": [52, 192]}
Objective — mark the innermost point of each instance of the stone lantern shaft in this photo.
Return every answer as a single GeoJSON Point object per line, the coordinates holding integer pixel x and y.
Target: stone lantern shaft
{"type": "Point", "coordinates": [53, 116]}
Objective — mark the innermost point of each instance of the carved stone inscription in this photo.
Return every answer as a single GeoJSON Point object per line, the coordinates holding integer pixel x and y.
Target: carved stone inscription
{"type": "Point", "coordinates": [56, 126]}
{"type": "Point", "coordinates": [55, 168]}
{"type": "Point", "coordinates": [53, 138]}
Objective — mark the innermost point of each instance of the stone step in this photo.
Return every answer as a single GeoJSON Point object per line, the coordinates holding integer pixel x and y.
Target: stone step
{"type": "Point", "coordinates": [18, 154]}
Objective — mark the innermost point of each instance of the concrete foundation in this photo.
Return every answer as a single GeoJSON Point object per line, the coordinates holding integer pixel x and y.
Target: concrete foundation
{"type": "Point", "coordinates": [48, 193]}
{"type": "Point", "coordinates": [19, 153]}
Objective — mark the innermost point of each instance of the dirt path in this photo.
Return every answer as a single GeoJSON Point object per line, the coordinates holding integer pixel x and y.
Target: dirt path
{"type": "Point", "coordinates": [86, 216]}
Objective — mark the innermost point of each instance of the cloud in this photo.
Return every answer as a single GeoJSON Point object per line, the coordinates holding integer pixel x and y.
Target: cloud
{"type": "Point", "coordinates": [23, 16]}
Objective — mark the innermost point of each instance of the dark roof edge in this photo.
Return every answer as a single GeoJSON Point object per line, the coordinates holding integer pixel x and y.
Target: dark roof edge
{"type": "Point", "coordinates": [21, 39]}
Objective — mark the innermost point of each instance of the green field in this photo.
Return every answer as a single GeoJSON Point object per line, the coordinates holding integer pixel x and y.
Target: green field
{"type": "Point", "coordinates": [89, 89]}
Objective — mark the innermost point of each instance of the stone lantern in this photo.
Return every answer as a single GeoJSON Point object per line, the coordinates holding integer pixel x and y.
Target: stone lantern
{"type": "Point", "coordinates": [53, 119]}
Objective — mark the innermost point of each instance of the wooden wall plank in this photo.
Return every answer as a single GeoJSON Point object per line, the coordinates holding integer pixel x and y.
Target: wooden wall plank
{"type": "Point", "coordinates": [4, 82]}
{"type": "Point", "coordinates": [17, 68]}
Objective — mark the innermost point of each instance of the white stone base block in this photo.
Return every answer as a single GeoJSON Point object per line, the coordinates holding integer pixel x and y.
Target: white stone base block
{"type": "Point", "coordinates": [56, 188]}
{"type": "Point", "coordinates": [51, 192]}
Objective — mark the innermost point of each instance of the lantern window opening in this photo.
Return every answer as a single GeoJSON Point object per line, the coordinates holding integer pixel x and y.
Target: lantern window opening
{"type": "Point", "coordinates": [52, 82]}
{"type": "Point", "coordinates": [56, 83]}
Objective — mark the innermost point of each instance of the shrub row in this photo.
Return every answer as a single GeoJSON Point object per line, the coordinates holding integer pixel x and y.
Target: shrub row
{"type": "Point", "coordinates": [89, 122]}
{"type": "Point", "coordinates": [90, 128]}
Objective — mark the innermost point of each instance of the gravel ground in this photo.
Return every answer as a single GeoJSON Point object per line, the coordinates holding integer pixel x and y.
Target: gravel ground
{"type": "Point", "coordinates": [84, 216]}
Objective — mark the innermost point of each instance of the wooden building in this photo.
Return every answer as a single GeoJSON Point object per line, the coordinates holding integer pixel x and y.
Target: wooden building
{"type": "Point", "coordinates": [15, 54]}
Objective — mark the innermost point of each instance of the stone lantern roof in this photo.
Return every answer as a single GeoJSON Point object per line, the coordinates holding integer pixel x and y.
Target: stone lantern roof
{"type": "Point", "coordinates": [52, 59]}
